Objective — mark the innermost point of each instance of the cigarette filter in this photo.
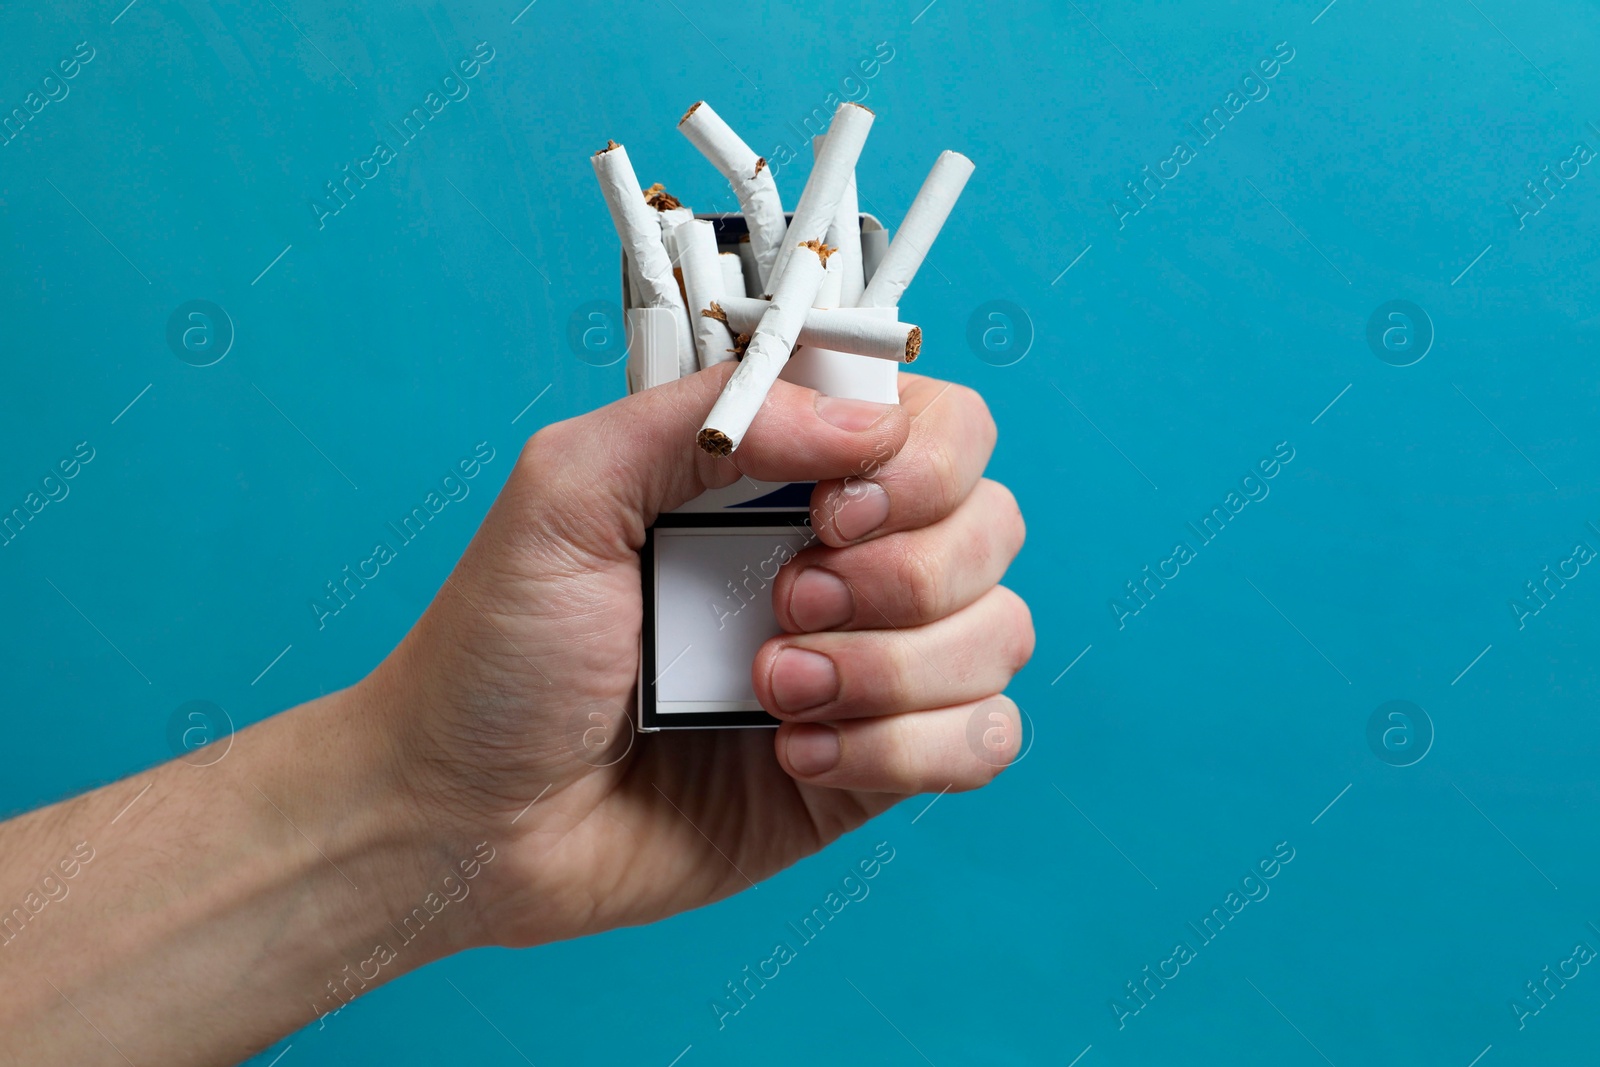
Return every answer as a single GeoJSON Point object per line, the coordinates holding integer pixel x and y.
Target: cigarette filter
{"type": "Point", "coordinates": [750, 177]}
{"type": "Point", "coordinates": [640, 233]}
{"type": "Point", "coordinates": [819, 201]}
{"type": "Point", "coordinates": [770, 345]}
{"type": "Point", "coordinates": [703, 286]}
{"type": "Point", "coordinates": [838, 329]}
{"type": "Point", "coordinates": [922, 224]}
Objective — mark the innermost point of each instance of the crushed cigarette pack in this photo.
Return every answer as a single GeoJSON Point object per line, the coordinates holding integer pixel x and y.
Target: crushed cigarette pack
{"type": "Point", "coordinates": [809, 297]}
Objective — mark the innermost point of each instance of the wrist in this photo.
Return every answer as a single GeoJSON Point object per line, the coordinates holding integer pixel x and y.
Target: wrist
{"type": "Point", "coordinates": [493, 807]}
{"type": "Point", "coordinates": [422, 864]}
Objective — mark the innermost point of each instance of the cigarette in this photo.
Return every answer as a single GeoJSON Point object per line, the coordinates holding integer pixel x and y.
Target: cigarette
{"type": "Point", "coordinates": [751, 179]}
{"type": "Point", "coordinates": [670, 211]}
{"type": "Point", "coordinates": [732, 273]}
{"type": "Point", "coordinates": [703, 287]}
{"type": "Point", "coordinates": [658, 197]}
{"type": "Point", "coordinates": [770, 346]}
{"type": "Point", "coordinates": [828, 293]}
{"type": "Point", "coordinates": [752, 269]}
{"type": "Point", "coordinates": [641, 239]}
{"type": "Point", "coordinates": [845, 235]}
{"type": "Point", "coordinates": [819, 201]}
{"type": "Point", "coordinates": [874, 243]}
{"type": "Point", "coordinates": [850, 330]}
{"type": "Point", "coordinates": [922, 224]}
{"type": "Point", "coordinates": [670, 214]}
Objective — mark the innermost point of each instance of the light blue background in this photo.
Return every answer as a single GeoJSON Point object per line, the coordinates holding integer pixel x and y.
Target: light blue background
{"type": "Point", "coordinates": [424, 318]}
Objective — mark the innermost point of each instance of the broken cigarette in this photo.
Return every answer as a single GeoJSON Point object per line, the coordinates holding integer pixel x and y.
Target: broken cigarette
{"type": "Point", "coordinates": [658, 197]}
{"type": "Point", "coordinates": [732, 273]}
{"type": "Point", "coordinates": [819, 201]}
{"type": "Point", "coordinates": [670, 214]}
{"type": "Point", "coordinates": [922, 224]}
{"type": "Point", "coordinates": [770, 346]}
{"type": "Point", "coordinates": [703, 286]}
{"type": "Point", "coordinates": [642, 244]}
{"type": "Point", "coordinates": [859, 331]}
{"type": "Point", "coordinates": [750, 177]}
{"type": "Point", "coordinates": [845, 235]}
{"type": "Point", "coordinates": [752, 270]}
{"type": "Point", "coordinates": [874, 243]}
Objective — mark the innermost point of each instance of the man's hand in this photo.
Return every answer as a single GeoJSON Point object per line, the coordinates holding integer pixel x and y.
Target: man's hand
{"type": "Point", "coordinates": [453, 798]}
{"type": "Point", "coordinates": [896, 633]}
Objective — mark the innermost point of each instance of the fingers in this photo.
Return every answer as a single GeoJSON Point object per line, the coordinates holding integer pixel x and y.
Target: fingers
{"type": "Point", "coordinates": [958, 748]}
{"type": "Point", "coordinates": [903, 579]}
{"type": "Point", "coordinates": [801, 436]}
{"type": "Point", "coordinates": [965, 656]}
{"type": "Point", "coordinates": [639, 453]}
{"type": "Point", "coordinates": [951, 437]}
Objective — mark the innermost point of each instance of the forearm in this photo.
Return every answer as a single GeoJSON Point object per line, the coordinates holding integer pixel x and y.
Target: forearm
{"type": "Point", "coordinates": [191, 915]}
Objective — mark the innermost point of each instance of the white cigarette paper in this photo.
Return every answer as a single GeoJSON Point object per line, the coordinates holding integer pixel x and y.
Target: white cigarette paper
{"type": "Point", "coordinates": [844, 235]}
{"type": "Point", "coordinates": [828, 293]}
{"type": "Point", "coordinates": [874, 243]}
{"type": "Point", "coordinates": [859, 331]}
{"type": "Point", "coordinates": [922, 224]}
{"type": "Point", "coordinates": [640, 233]}
{"type": "Point", "coordinates": [732, 273]}
{"type": "Point", "coordinates": [670, 220]}
{"type": "Point", "coordinates": [703, 285]}
{"type": "Point", "coordinates": [819, 201]}
{"type": "Point", "coordinates": [750, 177]}
{"type": "Point", "coordinates": [769, 350]}
{"type": "Point", "coordinates": [670, 214]}
{"type": "Point", "coordinates": [752, 269]}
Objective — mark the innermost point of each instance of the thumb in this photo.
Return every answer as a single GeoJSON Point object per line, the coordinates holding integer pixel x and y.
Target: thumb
{"type": "Point", "coordinates": [598, 480]}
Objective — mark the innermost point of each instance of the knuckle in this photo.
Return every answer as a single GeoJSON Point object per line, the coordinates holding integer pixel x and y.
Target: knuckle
{"type": "Point", "coordinates": [944, 478]}
{"type": "Point", "coordinates": [1010, 517]}
{"type": "Point", "coordinates": [544, 454]}
{"type": "Point", "coordinates": [977, 409]}
{"type": "Point", "coordinates": [993, 741]}
{"type": "Point", "coordinates": [887, 673]}
{"type": "Point", "coordinates": [921, 583]}
{"type": "Point", "coordinates": [870, 465]}
{"type": "Point", "coordinates": [1011, 737]}
{"type": "Point", "coordinates": [533, 450]}
{"type": "Point", "coordinates": [900, 761]}
{"type": "Point", "coordinates": [1019, 641]}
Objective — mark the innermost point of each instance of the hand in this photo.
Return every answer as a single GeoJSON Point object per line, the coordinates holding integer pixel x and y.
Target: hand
{"type": "Point", "coordinates": [896, 633]}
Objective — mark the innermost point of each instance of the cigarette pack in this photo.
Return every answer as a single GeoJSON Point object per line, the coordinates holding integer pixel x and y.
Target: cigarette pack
{"type": "Point", "coordinates": [708, 567]}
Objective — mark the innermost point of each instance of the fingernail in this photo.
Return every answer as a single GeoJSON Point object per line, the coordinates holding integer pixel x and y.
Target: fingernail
{"type": "Point", "coordinates": [813, 749]}
{"type": "Point", "coordinates": [852, 415]}
{"type": "Point", "coordinates": [859, 508]}
{"type": "Point", "coordinates": [820, 600]}
{"type": "Point", "coordinates": [803, 679]}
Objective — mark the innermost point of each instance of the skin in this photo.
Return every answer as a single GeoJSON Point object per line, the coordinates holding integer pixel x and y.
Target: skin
{"type": "Point", "coordinates": [483, 780]}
